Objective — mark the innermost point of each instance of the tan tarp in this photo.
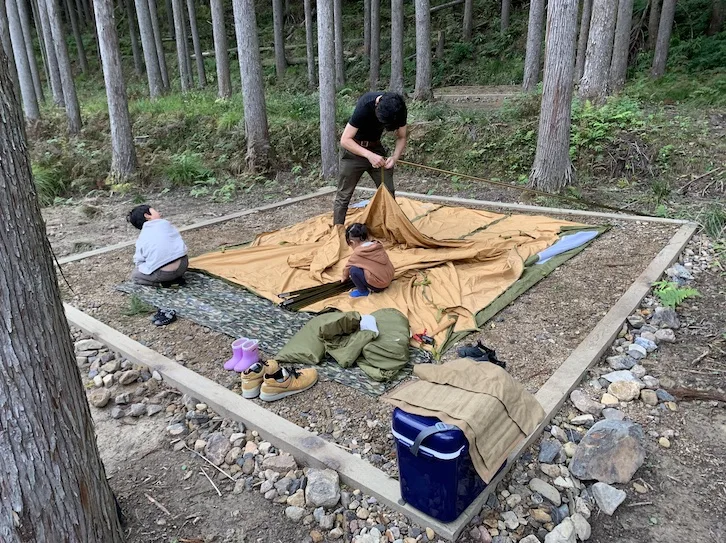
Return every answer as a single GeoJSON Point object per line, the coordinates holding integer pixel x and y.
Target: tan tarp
{"type": "Point", "coordinates": [483, 400]}
{"type": "Point", "coordinates": [450, 261]}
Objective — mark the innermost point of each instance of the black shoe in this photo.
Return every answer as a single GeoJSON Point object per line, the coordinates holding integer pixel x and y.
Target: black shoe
{"type": "Point", "coordinates": [164, 317]}
{"type": "Point", "coordinates": [180, 282]}
{"type": "Point", "coordinates": [480, 353]}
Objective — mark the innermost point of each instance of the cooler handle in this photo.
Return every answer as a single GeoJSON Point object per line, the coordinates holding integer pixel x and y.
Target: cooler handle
{"type": "Point", "coordinates": [426, 432]}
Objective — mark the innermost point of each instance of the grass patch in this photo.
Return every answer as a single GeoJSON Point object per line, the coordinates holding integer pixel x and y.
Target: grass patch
{"type": "Point", "coordinates": [186, 169]}
{"type": "Point", "coordinates": [136, 306]}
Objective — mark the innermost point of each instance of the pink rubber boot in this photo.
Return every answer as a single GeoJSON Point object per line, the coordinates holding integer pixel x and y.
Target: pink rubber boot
{"type": "Point", "coordinates": [236, 353]}
{"type": "Point", "coordinates": [250, 355]}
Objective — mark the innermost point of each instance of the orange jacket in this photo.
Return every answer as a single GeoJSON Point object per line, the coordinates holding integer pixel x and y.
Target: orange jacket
{"type": "Point", "coordinates": [373, 260]}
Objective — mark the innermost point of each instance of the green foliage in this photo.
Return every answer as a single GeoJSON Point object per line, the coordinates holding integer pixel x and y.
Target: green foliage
{"type": "Point", "coordinates": [713, 219]}
{"type": "Point", "coordinates": [50, 183]}
{"type": "Point", "coordinates": [671, 294]}
{"type": "Point", "coordinates": [187, 169]}
{"type": "Point", "coordinates": [136, 306]}
{"type": "Point", "coordinates": [594, 127]}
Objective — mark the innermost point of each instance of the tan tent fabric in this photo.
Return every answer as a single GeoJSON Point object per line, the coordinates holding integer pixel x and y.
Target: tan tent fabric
{"type": "Point", "coordinates": [450, 262]}
{"type": "Point", "coordinates": [493, 410]}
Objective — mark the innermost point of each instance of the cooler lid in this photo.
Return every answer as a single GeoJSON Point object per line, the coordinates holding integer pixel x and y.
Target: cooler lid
{"type": "Point", "coordinates": [407, 426]}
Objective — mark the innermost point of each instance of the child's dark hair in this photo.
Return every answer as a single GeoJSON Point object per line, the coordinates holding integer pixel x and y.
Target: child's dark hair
{"type": "Point", "coordinates": [391, 111]}
{"type": "Point", "coordinates": [137, 215]}
{"type": "Point", "coordinates": [356, 230]}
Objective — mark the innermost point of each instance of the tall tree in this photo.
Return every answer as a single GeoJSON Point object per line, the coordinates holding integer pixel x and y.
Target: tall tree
{"type": "Point", "coordinates": [54, 483]}
{"type": "Point", "coordinates": [134, 37]}
{"type": "Point", "coordinates": [224, 83]}
{"type": "Point", "coordinates": [53, 70]}
{"type": "Point", "coordinates": [6, 45]}
{"type": "Point", "coordinates": [621, 46]}
{"type": "Point", "coordinates": [41, 41]}
{"type": "Point", "coordinates": [594, 82]}
{"type": "Point", "coordinates": [278, 26]}
{"type": "Point", "coordinates": [309, 43]}
{"type": "Point", "coordinates": [123, 153]}
{"type": "Point", "coordinates": [80, 50]}
{"type": "Point", "coordinates": [81, 14]}
{"type": "Point", "coordinates": [24, 13]}
{"type": "Point", "coordinates": [397, 46]}
{"type": "Point", "coordinates": [534, 45]}
{"type": "Point", "coordinates": [25, 77]}
{"type": "Point", "coordinates": [715, 22]}
{"type": "Point", "coordinates": [582, 40]}
{"type": "Point", "coordinates": [201, 74]}
{"type": "Point", "coordinates": [182, 46]}
{"type": "Point", "coordinates": [506, 10]}
{"type": "Point", "coordinates": [154, 15]}
{"type": "Point", "coordinates": [423, 90]}
{"type": "Point", "coordinates": [253, 89]}
{"type": "Point", "coordinates": [665, 27]}
{"type": "Point", "coordinates": [468, 24]}
{"type": "Point", "coordinates": [170, 19]}
{"type": "Point", "coordinates": [375, 54]}
{"type": "Point", "coordinates": [367, 27]}
{"type": "Point", "coordinates": [339, 50]}
{"type": "Point", "coordinates": [653, 22]}
{"type": "Point", "coordinates": [326, 70]}
{"type": "Point", "coordinates": [552, 168]}
{"type": "Point", "coordinates": [151, 58]}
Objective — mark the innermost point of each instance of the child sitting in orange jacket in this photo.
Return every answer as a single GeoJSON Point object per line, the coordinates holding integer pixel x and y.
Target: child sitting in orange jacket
{"type": "Point", "coordinates": [368, 267]}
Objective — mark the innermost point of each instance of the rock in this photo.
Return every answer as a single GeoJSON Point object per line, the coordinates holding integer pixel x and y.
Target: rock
{"type": "Point", "coordinates": [625, 391]}
{"type": "Point", "coordinates": [679, 271]}
{"type": "Point", "coordinates": [564, 532]}
{"type": "Point", "coordinates": [248, 466]}
{"type": "Point", "coordinates": [327, 521]}
{"type": "Point", "coordinates": [540, 515]}
{"type": "Point", "coordinates": [650, 336]}
{"type": "Point", "coordinates": [108, 380]}
{"type": "Point", "coordinates": [648, 397]}
{"type": "Point", "coordinates": [430, 534]}
{"type": "Point", "coordinates": [251, 448]}
{"type": "Point", "coordinates": [582, 506]}
{"type": "Point", "coordinates": [118, 412]}
{"type": "Point", "coordinates": [609, 400]}
{"type": "Point", "coordinates": [266, 486]}
{"type": "Point", "coordinates": [558, 433]}
{"type": "Point", "coordinates": [137, 409]}
{"type": "Point", "coordinates": [362, 513]}
{"type": "Point", "coordinates": [651, 382]}
{"type": "Point", "coordinates": [530, 539]}
{"type": "Point", "coordinates": [584, 404]}
{"type": "Point", "coordinates": [323, 488]}
{"type": "Point", "coordinates": [335, 533]}
{"type": "Point", "coordinates": [582, 527]}
{"type": "Point", "coordinates": [639, 371]}
{"type": "Point", "coordinates": [647, 344]}
{"type": "Point", "coordinates": [264, 448]}
{"type": "Point", "coordinates": [271, 494]}
{"type": "Point", "coordinates": [610, 452]}
{"type": "Point", "coordinates": [98, 381]}
{"type": "Point", "coordinates": [89, 345]}
{"type": "Point", "coordinates": [100, 397]}
{"type": "Point", "coordinates": [546, 490]}
{"type": "Point", "coordinates": [561, 482]}
{"type": "Point", "coordinates": [672, 406]}
{"type": "Point", "coordinates": [636, 351]}
{"type": "Point", "coordinates": [218, 446]}
{"type": "Point", "coordinates": [583, 420]}
{"type": "Point", "coordinates": [613, 414]}
{"type": "Point", "coordinates": [621, 362]}
{"type": "Point", "coordinates": [664, 395]}
{"type": "Point", "coordinates": [112, 366]}
{"type": "Point", "coordinates": [122, 399]}
{"type": "Point", "coordinates": [156, 376]}
{"type": "Point", "coordinates": [569, 449]}
{"type": "Point", "coordinates": [282, 463]}
{"type": "Point", "coordinates": [665, 317]}
{"type": "Point", "coordinates": [232, 456]}
{"type": "Point", "coordinates": [316, 536]}
{"type": "Point", "coordinates": [636, 320]}
{"type": "Point", "coordinates": [622, 375]}
{"type": "Point", "coordinates": [548, 450]}
{"type": "Point", "coordinates": [236, 437]}
{"type": "Point", "coordinates": [128, 377]}
{"type": "Point", "coordinates": [550, 470]}
{"type": "Point", "coordinates": [510, 520]}
{"type": "Point", "coordinates": [177, 429]}
{"type": "Point", "coordinates": [559, 513]}
{"type": "Point", "coordinates": [294, 513]}
{"type": "Point", "coordinates": [665, 335]}
{"type": "Point", "coordinates": [153, 408]}
{"type": "Point", "coordinates": [514, 500]}
{"type": "Point", "coordinates": [664, 442]}
{"type": "Point", "coordinates": [607, 497]}
{"type": "Point", "coordinates": [297, 499]}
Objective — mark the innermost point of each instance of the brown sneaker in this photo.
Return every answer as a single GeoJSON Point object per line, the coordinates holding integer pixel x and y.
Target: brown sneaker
{"type": "Point", "coordinates": [286, 382]}
{"type": "Point", "coordinates": [252, 378]}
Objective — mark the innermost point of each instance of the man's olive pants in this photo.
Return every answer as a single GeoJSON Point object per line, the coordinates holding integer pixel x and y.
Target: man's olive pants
{"type": "Point", "coordinates": [352, 168]}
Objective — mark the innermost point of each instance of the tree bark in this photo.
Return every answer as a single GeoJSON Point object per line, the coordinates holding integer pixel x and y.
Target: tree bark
{"type": "Point", "coordinates": [182, 51]}
{"type": "Point", "coordinates": [123, 153]}
{"type": "Point", "coordinates": [6, 44]}
{"type": "Point", "coordinates": [552, 168]}
{"type": "Point", "coordinates": [664, 38]}
{"type": "Point", "coordinates": [468, 25]}
{"type": "Point", "coordinates": [339, 55]}
{"type": "Point", "coordinates": [154, 15]}
{"type": "Point", "coordinates": [170, 19]}
{"type": "Point", "coordinates": [367, 27]}
{"type": "Point", "coordinates": [20, 52]}
{"type": "Point", "coordinates": [224, 83]}
{"type": "Point", "coordinates": [718, 12]}
{"type": "Point", "coordinates": [423, 90]}
{"type": "Point", "coordinates": [582, 40]}
{"type": "Point", "coordinates": [135, 49]}
{"type": "Point", "coordinates": [54, 71]}
{"type": "Point", "coordinates": [201, 74]}
{"type": "Point", "coordinates": [41, 40]}
{"type": "Point", "coordinates": [81, 14]}
{"type": "Point", "coordinates": [24, 13]}
{"type": "Point", "coordinates": [151, 58]}
{"type": "Point", "coordinates": [253, 90]}
{"type": "Point", "coordinates": [80, 50]}
{"type": "Point", "coordinates": [375, 54]}
{"type": "Point", "coordinates": [506, 10]}
{"type": "Point", "coordinates": [326, 66]}
{"type": "Point", "coordinates": [309, 43]}
{"type": "Point", "coordinates": [594, 82]}
{"type": "Point", "coordinates": [54, 483]}
{"type": "Point", "coordinates": [397, 46]}
{"type": "Point", "coordinates": [534, 45]}
{"type": "Point", "coordinates": [621, 46]}
{"type": "Point", "coordinates": [653, 22]}
{"type": "Point", "coordinates": [278, 27]}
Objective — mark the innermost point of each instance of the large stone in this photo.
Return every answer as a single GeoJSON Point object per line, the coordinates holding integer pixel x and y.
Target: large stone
{"type": "Point", "coordinates": [100, 397]}
{"type": "Point", "coordinates": [137, 409]}
{"type": "Point", "coordinates": [609, 400]}
{"type": "Point", "coordinates": [607, 497]}
{"type": "Point", "coordinates": [564, 532]}
{"type": "Point", "coordinates": [665, 317]}
{"type": "Point", "coordinates": [549, 450]}
{"type": "Point", "coordinates": [128, 377]}
{"type": "Point", "coordinates": [613, 414]}
{"type": "Point", "coordinates": [664, 395]}
{"type": "Point", "coordinates": [294, 513]}
{"type": "Point", "coordinates": [218, 446]}
{"type": "Point", "coordinates": [582, 527]}
{"type": "Point", "coordinates": [323, 488]}
{"type": "Point", "coordinates": [651, 382]}
{"type": "Point", "coordinates": [530, 539]}
{"type": "Point", "coordinates": [282, 463]}
{"type": "Point", "coordinates": [584, 404]}
{"type": "Point", "coordinates": [546, 490]}
{"type": "Point", "coordinates": [639, 371]}
{"type": "Point", "coordinates": [510, 520]}
{"type": "Point", "coordinates": [550, 470]}
{"type": "Point", "coordinates": [636, 351]}
{"type": "Point", "coordinates": [646, 343]}
{"type": "Point", "coordinates": [649, 397]}
{"type": "Point", "coordinates": [89, 345]}
{"type": "Point", "coordinates": [611, 452]}
{"type": "Point", "coordinates": [111, 366]}
{"type": "Point", "coordinates": [636, 320]}
{"type": "Point", "coordinates": [621, 362]}
{"type": "Point", "coordinates": [625, 391]}
{"type": "Point", "coordinates": [297, 499]}
{"type": "Point", "coordinates": [665, 335]}
{"type": "Point", "coordinates": [177, 429]}
{"type": "Point", "coordinates": [621, 375]}
{"type": "Point", "coordinates": [583, 420]}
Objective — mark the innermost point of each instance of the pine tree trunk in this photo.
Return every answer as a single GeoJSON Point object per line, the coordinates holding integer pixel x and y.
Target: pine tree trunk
{"type": "Point", "coordinates": [718, 12]}
{"type": "Point", "coordinates": [468, 25]}
{"type": "Point", "coordinates": [552, 168]}
{"type": "Point", "coordinates": [201, 74]}
{"type": "Point", "coordinates": [582, 40]}
{"type": "Point", "coordinates": [339, 53]}
{"type": "Point", "coordinates": [653, 22]}
{"type": "Point", "coordinates": [279, 38]}
{"type": "Point", "coordinates": [309, 43]}
{"type": "Point", "coordinates": [423, 91]}
{"type": "Point", "coordinates": [621, 46]}
{"type": "Point", "coordinates": [53, 70]}
{"type": "Point", "coordinates": [41, 41]}
{"type": "Point", "coordinates": [182, 52]}
{"type": "Point", "coordinates": [367, 27]}
{"type": "Point", "coordinates": [123, 153]}
{"type": "Point", "coordinates": [154, 15]}
{"type": "Point", "coordinates": [326, 65]}
{"type": "Point", "coordinates": [375, 54]}
{"type": "Point", "coordinates": [20, 51]}
{"type": "Point", "coordinates": [95, 32]}
{"type": "Point", "coordinates": [24, 13]}
{"type": "Point", "coordinates": [664, 38]}
{"type": "Point", "coordinates": [534, 45]}
{"type": "Point", "coordinates": [170, 20]}
{"type": "Point", "coordinates": [82, 60]}
{"type": "Point", "coordinates": [397, 46]}
{"type": "Point", "coordinates": [6, 44]}
{"type": "Point", "coordinates": [506, 10]}
{"type": "Point", "coordinates": [253, 89]}
{"type": "Point", "coordinates": [224, 83]}
{"type": "Point", "coordinates": [151, 59]}
{"type": "Point", "coordinates": [81, 14]}
{"type": "Point", "coordinates": [135, 49]}
{"type": "Point", "coordinates": [54, 483]}
{"type": "Point", "coordinates": [594, 82]}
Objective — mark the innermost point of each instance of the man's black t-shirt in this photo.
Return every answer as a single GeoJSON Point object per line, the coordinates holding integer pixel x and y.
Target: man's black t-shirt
{"type": "Point", "coordinates": [365, 120]}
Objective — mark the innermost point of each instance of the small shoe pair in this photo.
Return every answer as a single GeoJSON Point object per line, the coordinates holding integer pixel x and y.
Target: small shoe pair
{"type": "Point", "coordinates": [163, 317]}
{"type": "Point", "coordinates": [271, 382]}
{"type": "Point", "coordinates": [355, 293]}
{"type": "Point", "coordinates": [245, 353]}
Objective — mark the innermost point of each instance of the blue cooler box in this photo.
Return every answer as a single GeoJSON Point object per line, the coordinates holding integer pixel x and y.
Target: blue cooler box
{"type": "Point", "coordinates": [435, 469]}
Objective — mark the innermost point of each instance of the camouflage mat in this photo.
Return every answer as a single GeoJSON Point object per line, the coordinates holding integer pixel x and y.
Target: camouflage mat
{"type": "Point", "coordinates": [236, 312]}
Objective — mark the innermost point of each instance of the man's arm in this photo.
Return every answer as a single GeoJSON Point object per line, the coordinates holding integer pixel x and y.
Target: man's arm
{"type": "Point", "coordinates": [349, 144]}
{"type": "Point", "coordinates": [401, 138]}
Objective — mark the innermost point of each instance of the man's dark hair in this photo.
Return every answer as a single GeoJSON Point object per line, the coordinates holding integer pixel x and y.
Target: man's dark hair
{"type": "Point", "coordinates": [136, 215]}
{"type": "Point", "coordinates": [391, 111]}
{"type": "Point", "coordinates": [356, 230]}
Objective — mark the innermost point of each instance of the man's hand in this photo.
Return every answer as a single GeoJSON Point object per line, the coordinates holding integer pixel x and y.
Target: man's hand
{"type": "Point", "coordinates": [377, 161]}
{"type": "Point", "coordinates": [390, 162]}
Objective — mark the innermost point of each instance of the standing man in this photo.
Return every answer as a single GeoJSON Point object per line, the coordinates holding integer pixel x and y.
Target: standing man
{"type": "Point", "coordinates": [363, 150]}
